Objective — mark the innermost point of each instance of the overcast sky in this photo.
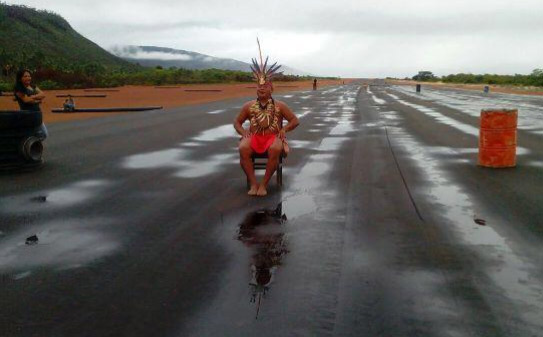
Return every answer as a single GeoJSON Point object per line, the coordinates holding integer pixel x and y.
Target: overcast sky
{"type": "Point", "coordinates": [345, 38]}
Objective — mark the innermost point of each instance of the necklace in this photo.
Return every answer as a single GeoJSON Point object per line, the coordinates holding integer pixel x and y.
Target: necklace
{"type": "Point", "coordinates": [264, 118]}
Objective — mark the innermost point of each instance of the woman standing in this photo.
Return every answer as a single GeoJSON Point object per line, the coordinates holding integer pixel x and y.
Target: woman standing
{"type": "Point", "coordinates": [28, 95]}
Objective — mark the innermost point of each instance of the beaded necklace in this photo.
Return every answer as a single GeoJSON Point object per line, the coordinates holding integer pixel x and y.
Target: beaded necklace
{"type": "Point", "coordinates": [264, 118]}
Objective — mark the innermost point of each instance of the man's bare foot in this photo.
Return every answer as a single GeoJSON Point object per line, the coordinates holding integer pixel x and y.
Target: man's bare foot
{"type": "Point", "coordinates": [261, 191]}
{"type": "Point", "coordinates": [253, 190]}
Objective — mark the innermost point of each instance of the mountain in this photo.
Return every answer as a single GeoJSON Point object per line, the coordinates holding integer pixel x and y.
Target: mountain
{"type": "Point", "coordinates": [35, 38]}
{"type": "Point", "coordinates": [150, 56]}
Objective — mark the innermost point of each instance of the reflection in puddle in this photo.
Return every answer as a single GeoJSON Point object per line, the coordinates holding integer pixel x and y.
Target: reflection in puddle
{"type": "Point", "coordinates": [331, 143]}
{"type": "Point", "coordinates": [465, 128]}
{"type": "Point", "coordinates": [223, 131]}
{"type": "Point", "coordinates": [342, 128]}
{"type": "Point", "coordinates": [470, 103]}
{"type": "Point", "coordinates": [378, 100]}
{"type": "Point", "coordinates": [21, 276]}
{"type": "Point", "coordinates": [74, 194]}
{"type": "Point", "coordinates": [507, 268]}
{"type": "Point", "coordinates": [215, 112]}
{"type": "Point", "coordinates": [535, 164]}
{"type": "Point", "coordinates": [177, 158]}
{"type": "Point", "coordinates": [71, 195]}
{"type": "Point", "coordinates": [299, 205]}
{"type": "Point", "coordinates": [61, 244]}
{"type": "Point", "coordinates": [195, 169]}
{"type": "Point", "coordinates": [298, 143]}
{"type": "Point", "coordinates": [262, 231]}
{"type": "Point", "coordinates": [157, 159]}
{"type": "Point", "coordinates": [190, 144]}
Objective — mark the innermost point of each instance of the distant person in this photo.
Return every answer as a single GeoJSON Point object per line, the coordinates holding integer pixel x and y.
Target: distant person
{"type": "Point", "coordinates": [69, 104]}
{"type": "Point", "coordinates": [27, 94]}
{"type": "Point", "coordinates": [266, 132]}
{"type": "Point", "coordinates": [315, 84]}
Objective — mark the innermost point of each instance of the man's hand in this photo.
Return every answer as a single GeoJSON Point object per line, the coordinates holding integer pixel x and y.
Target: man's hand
{"type": "Point", "coordinates": [282, 134]}
{"type": "Point", "coordinates": [246, 134]}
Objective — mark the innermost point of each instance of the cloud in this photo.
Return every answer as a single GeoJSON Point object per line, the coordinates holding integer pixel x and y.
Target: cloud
{"type": "Point", "coordinates": [138, 53]}
{"type": "Point", "coordinates": [341, 37]}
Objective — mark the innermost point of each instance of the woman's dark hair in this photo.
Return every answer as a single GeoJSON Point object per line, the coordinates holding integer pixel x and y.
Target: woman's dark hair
{"type": "Point", "coordinates": [19, 86]}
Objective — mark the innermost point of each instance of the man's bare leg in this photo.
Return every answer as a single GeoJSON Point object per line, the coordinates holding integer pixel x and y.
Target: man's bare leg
{"type": "Point", "coordinates": [273, 160]}
{"type": "Point", "coordinates": [246, 163]}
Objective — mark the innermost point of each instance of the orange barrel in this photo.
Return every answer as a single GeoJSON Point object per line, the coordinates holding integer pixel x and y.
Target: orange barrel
{"type": "Point", "coordinates": [498, 138]}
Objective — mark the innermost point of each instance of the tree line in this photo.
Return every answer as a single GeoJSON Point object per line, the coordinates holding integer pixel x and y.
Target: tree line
{"type": "Point", "coordinates": [94, 75]}
{"type": "Point", "coordinates": [535, 78]}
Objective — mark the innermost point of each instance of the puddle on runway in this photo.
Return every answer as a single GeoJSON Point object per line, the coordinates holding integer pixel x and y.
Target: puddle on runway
{"type": "Point", "coordinates": [69, 196]}
{"type": "Point", "coordinates": [465, 128]}
{"type": "Point", "coordinates": [472, 104]}
{"type": "Point", "coordinates": [22, 275]}
{"type": "Point", "coordinates": [62, 244]}
{"type": "Point", "coordinates": [215, 112]}
{"type": "Point", "coordinates": [158, 159]}
{"type": "Point", "coordinates": [508, 271]}
{"type": "Point", "coordinates": [212, 164]}
{"type": "Point", "coordinates": [190, 144]}
{"type": "Point", "coordinates": [263, 233]}
{"type": "Point", "coordinates": [342, 128]}
{"type": "Point", "coordinates": [220, 132]}
{"type": "Point", "coordinates": [535, 163]}
{"type": "Point", "coordinates": [303, 114]}
{"type": "Point", "coordinates": [299, 205]}
{"type": "Point", "coordinates": [378, 100]}
{"type": "Point", "coordinates": [331, 143]}
{"type": "Point", "coordinates": [299, 143]}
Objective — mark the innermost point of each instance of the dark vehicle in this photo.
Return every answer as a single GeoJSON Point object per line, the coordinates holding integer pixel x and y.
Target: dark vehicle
{"type": "Point", "coordinates": [21, 139]}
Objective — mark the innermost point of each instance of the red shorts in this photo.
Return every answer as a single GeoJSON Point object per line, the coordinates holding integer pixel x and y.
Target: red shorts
{"type": "Point", "coordinates": [261, 143]}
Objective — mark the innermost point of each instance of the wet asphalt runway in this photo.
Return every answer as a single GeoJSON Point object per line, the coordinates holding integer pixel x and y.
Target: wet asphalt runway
{"type": "Point", "coordinates": [145, 229]}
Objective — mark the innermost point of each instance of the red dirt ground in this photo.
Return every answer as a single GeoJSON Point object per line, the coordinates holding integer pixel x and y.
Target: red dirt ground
{"type": "Point", "coordinates": [133, 96]}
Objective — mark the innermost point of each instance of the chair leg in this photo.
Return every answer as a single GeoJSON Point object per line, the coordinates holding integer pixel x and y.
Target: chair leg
{"type": "Point", "coordinates": [248, 182]}
{"type": "Point", "coordinates": [279, 174]}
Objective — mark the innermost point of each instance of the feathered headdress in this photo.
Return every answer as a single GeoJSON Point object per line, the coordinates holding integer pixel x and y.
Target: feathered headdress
{"type": "Point", "coordinates": [263, 75]}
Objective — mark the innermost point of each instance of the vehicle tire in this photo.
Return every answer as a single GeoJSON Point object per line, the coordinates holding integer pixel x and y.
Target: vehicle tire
{"type": "Point", "coordinates": [16, 119]}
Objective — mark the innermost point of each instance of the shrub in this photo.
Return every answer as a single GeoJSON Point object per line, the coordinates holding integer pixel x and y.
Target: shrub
{"type": "Point", "coordinates": [49, 85]}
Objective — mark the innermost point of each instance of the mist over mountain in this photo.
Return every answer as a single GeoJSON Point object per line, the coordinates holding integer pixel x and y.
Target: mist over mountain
{"type": "Point", "coordinates": [151, 56]}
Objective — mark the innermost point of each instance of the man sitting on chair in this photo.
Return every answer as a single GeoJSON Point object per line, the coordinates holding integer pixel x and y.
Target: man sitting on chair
{"type": "Point", "coordinates": [266, 132]}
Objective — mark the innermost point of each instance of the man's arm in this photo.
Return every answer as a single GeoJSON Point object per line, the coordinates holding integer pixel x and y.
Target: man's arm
{"type": "Point", "coordinates": [240, 119]}
{"type": "Point", "coordinates": [290, 117]}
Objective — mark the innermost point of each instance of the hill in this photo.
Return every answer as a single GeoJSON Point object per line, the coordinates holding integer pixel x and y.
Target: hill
{"type": "Point", "coordinates": [151, 56]}
{"type": "Point", "coordinates": [40, 39]}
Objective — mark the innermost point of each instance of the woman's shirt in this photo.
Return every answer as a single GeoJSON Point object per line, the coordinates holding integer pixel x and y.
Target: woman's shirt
{"type": "Point", "coordinates": [27, 106]}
